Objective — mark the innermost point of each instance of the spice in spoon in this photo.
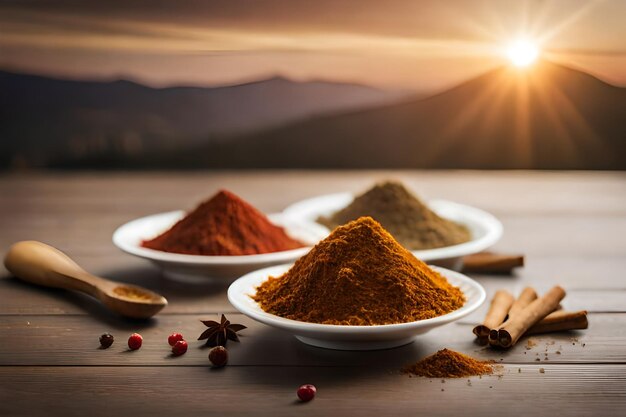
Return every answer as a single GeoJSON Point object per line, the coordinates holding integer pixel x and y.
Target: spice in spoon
{"type": "Point", "coordinates": [359, 275]}
{"type": "Point", "coordinates": [132, 293]}
{"type": "Point", "coordinates": [403, 215]}
{"type": "Point", "coordinates": [224, 225]}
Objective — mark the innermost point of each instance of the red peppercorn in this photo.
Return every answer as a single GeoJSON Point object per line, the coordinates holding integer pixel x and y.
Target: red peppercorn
{"type": "Point", "coordinates": [218, 356]}
{"type": "Point", "coordinates": [174, 337]}
{"type": "Point", "coordinates": [179, 348]}
{"type": "Point", "coordinates": [134, 341]}
{"type": "Point", "coordinates": [306, 392]}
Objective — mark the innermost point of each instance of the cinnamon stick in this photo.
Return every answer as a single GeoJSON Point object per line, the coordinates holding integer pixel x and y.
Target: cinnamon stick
{"type": "Point", "coordinates": [492, 263]}
{"type": "Point", "coordinates": [527, 296]}
{"type": "Point", "coordinates": [559, 321]}
{"type": "Point", "coordinates": [513, 329]}
{"type": "Point", "coordinates": [498, 310]}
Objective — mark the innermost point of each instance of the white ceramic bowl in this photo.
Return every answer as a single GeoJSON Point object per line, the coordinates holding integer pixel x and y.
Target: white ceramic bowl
{"type": "Point", "coordinates": [200, 268]}
{"type": "Point", "coordinates": [349, 337]}
{"type": "Point", "coordinates": [484, 227]}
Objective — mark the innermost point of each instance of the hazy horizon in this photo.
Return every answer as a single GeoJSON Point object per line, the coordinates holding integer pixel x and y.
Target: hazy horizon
{"type": "Point", "coordinates": [261, 78]}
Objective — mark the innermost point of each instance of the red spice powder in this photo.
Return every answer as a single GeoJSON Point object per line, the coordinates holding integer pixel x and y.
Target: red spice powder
{"type": "Point", "coordinates": [224, 225]}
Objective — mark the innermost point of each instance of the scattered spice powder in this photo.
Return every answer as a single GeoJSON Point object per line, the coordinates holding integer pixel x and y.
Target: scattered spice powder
{"type": "Point", "coordinates": [359, 275]}
{"type": "Point", "coordinates": [403, 215]}
{"type": "Point", "coordinates": [224, 225]}
{"type": "Point", "coordinates": [449, 364]}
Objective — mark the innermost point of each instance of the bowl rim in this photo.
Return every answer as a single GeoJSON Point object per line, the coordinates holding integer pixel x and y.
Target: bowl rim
{"type": "Point", "coordinates": [488, 221]}
{"type": "Point", "coordinates": [120, 239]}
{"type": "Point", "coordinates": [240, 287]}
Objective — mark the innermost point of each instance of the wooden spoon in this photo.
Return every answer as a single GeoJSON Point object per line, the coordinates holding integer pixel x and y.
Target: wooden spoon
{"type": "Point", "coordinates": [41, 264]}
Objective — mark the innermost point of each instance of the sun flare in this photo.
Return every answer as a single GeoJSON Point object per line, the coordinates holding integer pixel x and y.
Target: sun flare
{"type": "Point", "coordinates": [522, 53]}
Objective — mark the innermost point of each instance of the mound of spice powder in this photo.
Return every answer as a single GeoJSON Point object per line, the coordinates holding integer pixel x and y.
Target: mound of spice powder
{"type": "Point", "coordinates": [403, 215]}
{"type": "Point", "coordinates": [359, 275]}
{"type": "Point", "coordinates": [449, 364]}
{"type": "Point", "coordinates": [224, 225]}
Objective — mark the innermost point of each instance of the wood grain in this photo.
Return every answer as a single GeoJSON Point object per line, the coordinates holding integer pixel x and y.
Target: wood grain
{"type": "Point", "coordinates": [73, 340]}
{"type": "Point", "coordinates": [569, 225]}
{"type": "Point", "coordinates": [523, 192]}
{"type": "Point", "coordinates": [580, 390]}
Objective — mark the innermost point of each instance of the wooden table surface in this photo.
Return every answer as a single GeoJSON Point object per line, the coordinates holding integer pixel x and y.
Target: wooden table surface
{"type": "Point", "coordinates": [570, 226]}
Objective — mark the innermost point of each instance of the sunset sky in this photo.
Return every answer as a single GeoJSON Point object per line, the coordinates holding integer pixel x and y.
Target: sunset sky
{"type": "Point", "coordinates": [413, 44]}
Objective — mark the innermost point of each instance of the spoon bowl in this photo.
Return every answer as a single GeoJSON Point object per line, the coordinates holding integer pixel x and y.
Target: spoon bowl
{"type": "Point", "coordinates": [133, 301]}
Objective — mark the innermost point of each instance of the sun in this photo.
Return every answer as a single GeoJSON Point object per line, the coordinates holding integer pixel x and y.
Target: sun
{"type": "Point", "coordinates": [522, 52]}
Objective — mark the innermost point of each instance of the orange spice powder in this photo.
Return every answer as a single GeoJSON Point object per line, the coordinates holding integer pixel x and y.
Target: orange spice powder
{"type": "Point", "coordinates": [359, 275]}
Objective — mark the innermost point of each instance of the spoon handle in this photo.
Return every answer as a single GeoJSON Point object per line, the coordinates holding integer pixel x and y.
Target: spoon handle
{"type": "Point", "coordinates": [41, 264]}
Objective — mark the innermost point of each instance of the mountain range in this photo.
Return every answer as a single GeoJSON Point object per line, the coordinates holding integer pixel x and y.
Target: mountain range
{"type": "Point", "coordinates": [44, 119]}
{"type": "Point", "coordinates": [546, 117]}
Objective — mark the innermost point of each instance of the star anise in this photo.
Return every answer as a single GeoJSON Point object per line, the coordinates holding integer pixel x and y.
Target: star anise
{"type": "Point", "coordinates": [218, 334]}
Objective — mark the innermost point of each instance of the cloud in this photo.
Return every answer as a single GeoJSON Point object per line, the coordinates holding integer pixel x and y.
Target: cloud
{"type": "Point", "coordinates": [57, 30]}
{"type": "Point", "coordinates": [392, 17]}
{"type": "Point", "coordinates": [296, 36]}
